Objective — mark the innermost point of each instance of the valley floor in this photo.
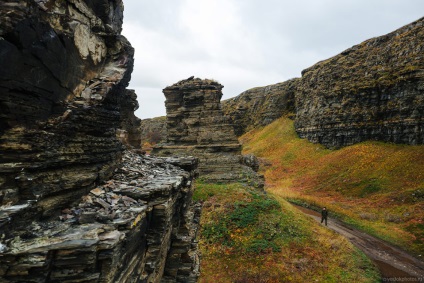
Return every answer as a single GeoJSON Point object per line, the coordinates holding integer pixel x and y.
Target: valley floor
{"type": "Point", "coordinates": [391, 261]}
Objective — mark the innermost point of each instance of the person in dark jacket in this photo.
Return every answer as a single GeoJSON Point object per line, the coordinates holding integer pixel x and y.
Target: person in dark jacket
{"type": "Point", "coordinates": [324, 214]}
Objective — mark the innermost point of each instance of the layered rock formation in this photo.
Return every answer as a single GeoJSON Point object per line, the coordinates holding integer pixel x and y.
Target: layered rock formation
{"type": "Point", "coordinates": [63, 109]}
{"type": "Point", "coordinates": [61, 97]}
{"type": "Point", "coordinates": [372, 91]}
{"type": "Point", "coordinates": [196, 126]}
{"type": "Point", "coordinates": [258, 107]}
{"type": "Point", "coordinates": [130, 124]}
{"type": "Point", "coordinates": [140, 226]}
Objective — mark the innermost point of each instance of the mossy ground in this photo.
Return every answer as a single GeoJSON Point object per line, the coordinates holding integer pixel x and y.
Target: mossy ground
{"type": "Point", "coordinates": [378, 187]}
{"type": "Point", "coordinates": [249, 236]}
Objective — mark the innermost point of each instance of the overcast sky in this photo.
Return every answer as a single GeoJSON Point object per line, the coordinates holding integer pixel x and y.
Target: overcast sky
{"type": "Point", "coordinates": [246, 43]}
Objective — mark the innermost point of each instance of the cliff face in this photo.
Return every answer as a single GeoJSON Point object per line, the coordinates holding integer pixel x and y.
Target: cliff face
{"type": "Point", "coordinates": [372, 91]}
{"type": "Point", "coordinates": [64, 109]}
{"type": "Point", "coordinates": [61, 96]}
{"type": "Point", "coordinates": [130, 124]}
{"type": "Point", "coordinates": [196, 126]}
{"type": "Point", "coordinates": [258, 107]}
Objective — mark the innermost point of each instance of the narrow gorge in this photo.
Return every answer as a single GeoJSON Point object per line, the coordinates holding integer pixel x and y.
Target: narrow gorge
{"type": "Point", "coordinates": [79, 199]}
{"type": "Point", "coordinates": [75, 204]}
{"type": "Point", "coordinates": [371, 91]}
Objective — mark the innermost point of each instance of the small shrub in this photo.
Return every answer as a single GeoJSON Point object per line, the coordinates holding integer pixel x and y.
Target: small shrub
{"type": "Point", "coordinates": [216, 232]}
{"type": "Point", "coordinates": [262, 246]}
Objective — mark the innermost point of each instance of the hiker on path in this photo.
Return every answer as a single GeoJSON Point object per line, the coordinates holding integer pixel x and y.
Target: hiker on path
{"type": "Point", "coordinates": [324, 214]}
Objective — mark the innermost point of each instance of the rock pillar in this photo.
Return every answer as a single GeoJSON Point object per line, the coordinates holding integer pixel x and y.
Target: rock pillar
{"type": "Point", "coordinates": [196, 126]}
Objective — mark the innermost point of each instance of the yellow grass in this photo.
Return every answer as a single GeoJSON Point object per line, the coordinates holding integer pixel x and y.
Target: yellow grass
{"type": "Point", "coordinates": [309, 252]}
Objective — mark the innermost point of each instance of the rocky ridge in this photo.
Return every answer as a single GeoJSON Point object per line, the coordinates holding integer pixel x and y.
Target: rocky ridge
{"type": "Point", "coordinates": [372, 91]}
{"type": "Point", "coordinates": [197, 127]}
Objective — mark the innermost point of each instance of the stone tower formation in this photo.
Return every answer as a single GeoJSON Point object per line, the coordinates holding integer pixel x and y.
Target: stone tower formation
{"type": "Point", "coordinates": [196, 126]}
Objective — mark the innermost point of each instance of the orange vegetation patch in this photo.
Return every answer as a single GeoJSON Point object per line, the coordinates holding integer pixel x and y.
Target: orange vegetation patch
{"type": "Point", "coordinates": [377, 186]}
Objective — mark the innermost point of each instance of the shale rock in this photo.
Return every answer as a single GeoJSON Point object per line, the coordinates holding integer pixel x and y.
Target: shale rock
{"type": "Point", "coordinates": [139, 226]}
{"type": "Point", "coordinates": [63, 108]}
{"type": "Point", "coordinates": [65, 68]}
{"type": "Point", "coordinates": [372, 91]}
{"type": "Point", "coordinates": [259, 106]}
{"type": "Point", "coordinates": [130, 124]}
{"type": "Point", "coordinates": [196, 126]}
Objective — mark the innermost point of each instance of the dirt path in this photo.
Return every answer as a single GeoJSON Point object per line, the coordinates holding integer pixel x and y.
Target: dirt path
{"type": "Point", "coordinates": [393, 263]}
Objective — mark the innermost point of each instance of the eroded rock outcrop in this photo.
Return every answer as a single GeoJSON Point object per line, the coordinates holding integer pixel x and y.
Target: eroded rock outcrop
{"type": "Point", "coordinates": [130, 124]}
{"type": "Point", "coordinates": [140, 226]}
{"type": "Point", "coordinates": [61, 97]}
{"type": "Point", "coordinates": [259, 106]}
{"type": "Point", "coordinates": [196, 126]}
{"type": "Point", "coordinates": [63, 109]}
{"type": "Point", "coordinates": [372, 91]}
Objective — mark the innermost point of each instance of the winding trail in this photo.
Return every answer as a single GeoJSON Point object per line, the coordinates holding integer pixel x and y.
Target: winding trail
{"type": "Point", "coordinates": [394, 264]}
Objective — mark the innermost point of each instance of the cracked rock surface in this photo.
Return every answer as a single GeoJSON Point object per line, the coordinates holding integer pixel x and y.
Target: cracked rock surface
{"type": "Point", "coordinates": [139, 226]}
{"type": "Point", "coordinates": [74, 207]}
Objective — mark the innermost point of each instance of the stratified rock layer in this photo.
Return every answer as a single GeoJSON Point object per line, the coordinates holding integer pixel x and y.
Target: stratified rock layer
{"type": "Point", "coordinates": [196, 126]}
{"type": "Point", "coordinates": [130, 124]}
{"type": "Point", "coordinates": [140, 226]}
{"type": "Point", "coordinates": [65, 68]}
{"type": "Point", "coordinates": [259, 106]}
{"type": "Point", "coordinates": [372, 91]}
{"type": "Point", "coordinates": [64, 109]}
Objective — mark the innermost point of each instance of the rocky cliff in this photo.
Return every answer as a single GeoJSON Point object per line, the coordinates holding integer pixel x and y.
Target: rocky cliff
{"type": "Point", "coordinates": [196, 126]}
{"type": "Point", "coordinates": [61, 96]}
{"type": "Point", "coordinates": [153, 130]}
{"type": "Point", "coordinates": [130, 124]}
{"type": "Point", "coordinates": [258, 107]}
{"type": "Point", "coordinates": [139, 226]}
{"type": "Point", "coordinates": [64, 109]}
{"type": "Point", "coordinates": [372, 91]}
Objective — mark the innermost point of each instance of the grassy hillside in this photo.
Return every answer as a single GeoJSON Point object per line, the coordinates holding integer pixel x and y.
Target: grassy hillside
{"type": "Point", "coordinates": [248, 236]}
{"type": "Point", "coordinates": [376, 186]}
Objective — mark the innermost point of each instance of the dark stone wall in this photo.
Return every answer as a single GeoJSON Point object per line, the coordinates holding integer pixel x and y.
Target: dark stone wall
{"type": "Point", "coordinates": [196, 126]}
{"type": "Point", "coordinates": [259, 106]}
{"type": "Point", "coordinates": [62, 90]}
{"type": "Point", "coordinates": [74, 206]}
{"type": "Point", "coordinates": [372, 91]}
